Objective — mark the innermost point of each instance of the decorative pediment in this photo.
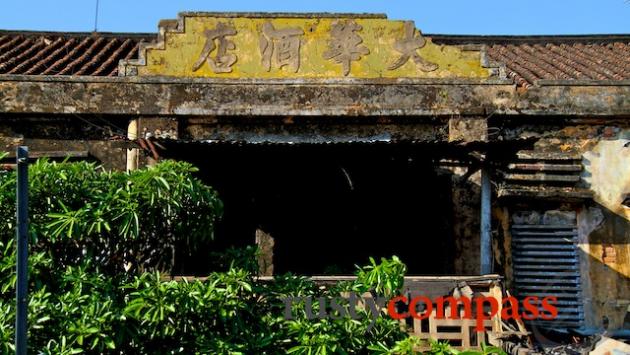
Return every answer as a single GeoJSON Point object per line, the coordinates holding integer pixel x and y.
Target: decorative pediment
{"type": "Point", "coordinates": [279, 46]}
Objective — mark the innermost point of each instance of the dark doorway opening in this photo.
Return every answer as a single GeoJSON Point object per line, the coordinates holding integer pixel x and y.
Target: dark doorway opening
{"type": "Point", "coordinates": [329, 207]}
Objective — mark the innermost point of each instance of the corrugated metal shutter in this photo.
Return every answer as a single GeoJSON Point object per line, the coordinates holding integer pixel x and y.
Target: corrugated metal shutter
{"type": "Point", "coordinates": [546, 263]}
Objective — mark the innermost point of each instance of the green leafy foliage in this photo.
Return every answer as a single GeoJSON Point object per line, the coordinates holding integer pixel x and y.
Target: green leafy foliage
{"type": "Point", "coordinates": [485, 350]}
{"type": "Point", "coordinates": [385, 279]}
{"type": "Point", "coordinates": [409, 345]}
{"type": "Point", "coordinates": [123, 222]}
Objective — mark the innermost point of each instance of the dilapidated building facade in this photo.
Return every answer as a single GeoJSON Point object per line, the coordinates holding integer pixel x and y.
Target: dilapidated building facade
{"type": "Point", "coordinates": [333, 137]}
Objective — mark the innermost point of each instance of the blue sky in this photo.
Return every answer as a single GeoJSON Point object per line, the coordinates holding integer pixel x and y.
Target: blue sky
{"type": "Point", "coordinates": [455, 17]}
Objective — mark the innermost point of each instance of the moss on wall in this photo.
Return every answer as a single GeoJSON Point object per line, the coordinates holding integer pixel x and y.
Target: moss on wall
{"type": "Point", "coordinates": [182, 50]}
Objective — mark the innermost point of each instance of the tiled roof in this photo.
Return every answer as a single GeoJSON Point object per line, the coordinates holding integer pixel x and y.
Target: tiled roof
{"type": "Point", "coordinates": [532, 58]}
{"type": "Point", "coordinates": [30, 53]}
{"type": "Point", "coordinates": [527, 58]}
{"type": "Point", "coordinates": [530, 62]}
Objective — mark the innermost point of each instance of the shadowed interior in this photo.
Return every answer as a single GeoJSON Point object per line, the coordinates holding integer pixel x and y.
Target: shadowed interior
{"type": "Point", "coordinates": [329, 207]}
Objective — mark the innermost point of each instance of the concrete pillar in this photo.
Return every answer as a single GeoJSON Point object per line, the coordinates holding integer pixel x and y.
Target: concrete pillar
{"type": "Point", "coordinates": [265, 243]}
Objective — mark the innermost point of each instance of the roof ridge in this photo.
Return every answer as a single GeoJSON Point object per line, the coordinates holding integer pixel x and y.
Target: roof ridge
{"type": "Point", "coordinates": [441, 36]}
{"type": "Point", "coordinates": [497, 39]}
{"type": "Point", "coordinates": [77, 34]}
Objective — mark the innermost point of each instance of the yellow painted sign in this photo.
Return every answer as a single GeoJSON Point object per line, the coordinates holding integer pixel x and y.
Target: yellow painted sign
{"type": "Point", "coordinates": [298, 46]}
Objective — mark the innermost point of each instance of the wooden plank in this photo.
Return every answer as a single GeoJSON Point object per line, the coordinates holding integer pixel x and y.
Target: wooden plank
{"type": "Point", "coordinates": [447, 336]}
{"type": "Point", "coordinates": [534, 155]}
{"type": "Point", "coordinates": [433, 325]}
{"type": "Point", "coordinates": [448, 322]}
{"type": "Point", "coordinates": [546, 167]}
{"type": "Point", "coordinates": [514, 190]}
{"type": "Point", "coordinates": [497, 293]}
{"type": "Point", "coordinates": [542, 177]}
{"type": "Point", "coordinates": [417, 326]}
{"type": "Point", "coordinates": [466, 337]}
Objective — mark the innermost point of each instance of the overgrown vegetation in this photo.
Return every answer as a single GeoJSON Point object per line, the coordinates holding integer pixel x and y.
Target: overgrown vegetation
{"type": "Point", "coordinates": [122, 222]}
{"type": "Point", "coordinates": [97, 242]}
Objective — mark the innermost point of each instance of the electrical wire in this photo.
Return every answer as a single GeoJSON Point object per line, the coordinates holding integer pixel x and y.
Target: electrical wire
{"type": "Point", "coordinates": [96, 17]}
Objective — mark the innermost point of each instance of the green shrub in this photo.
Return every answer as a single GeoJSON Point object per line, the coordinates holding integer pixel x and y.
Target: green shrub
{"type": "Point", "coordinates": [97, 241]}
{"type": "Point", "coordinates": [122, 222]}
{"type": "Point", "coordinates": [229, 312]}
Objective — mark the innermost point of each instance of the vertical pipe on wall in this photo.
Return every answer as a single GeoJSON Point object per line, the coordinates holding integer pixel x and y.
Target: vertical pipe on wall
{"type": "Point", "coordinates": [486, 228]}
{"type": "Point", "coordinates": [132, 154]}
{"type": "Point", "coordinates": [22, 250]}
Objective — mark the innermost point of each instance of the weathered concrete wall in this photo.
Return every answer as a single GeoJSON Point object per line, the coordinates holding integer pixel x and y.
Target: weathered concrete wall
{"type": "Point", "coordinates": [466, 197]}
{"type": "Point", "coordinates": [314, 130]}
{"type": "Point", "coordinates": [354, 97]}
{"type": "Point", "coordinates": [58, 137]}
{"type": "Point", "coordinates": [603, 222]}
{"type": "Point", "coordinates": [607, 174]}
{"type": "Point", "coordinates": [186, 97]}
{"type": "Point", "coordinates": [466, 227]}
{"type": "Point", "coordinates": [607, 168]}
{"type": "Point", "coordinates": [502, 244]}
{"type": "Point", "coordinates": [604, 241]}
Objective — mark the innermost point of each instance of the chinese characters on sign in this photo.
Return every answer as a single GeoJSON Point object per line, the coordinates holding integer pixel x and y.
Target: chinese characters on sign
{"type": "Point", "coordinates": [222, 61]}
{"type": "Point", "coordinates": [409, 46]}
{"type": "Point", "coordinates": [345, 44]}
{"type": "Point", "coordinates": [284, 42]}
{"type": "Point", "coordinates": [280, 47]}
